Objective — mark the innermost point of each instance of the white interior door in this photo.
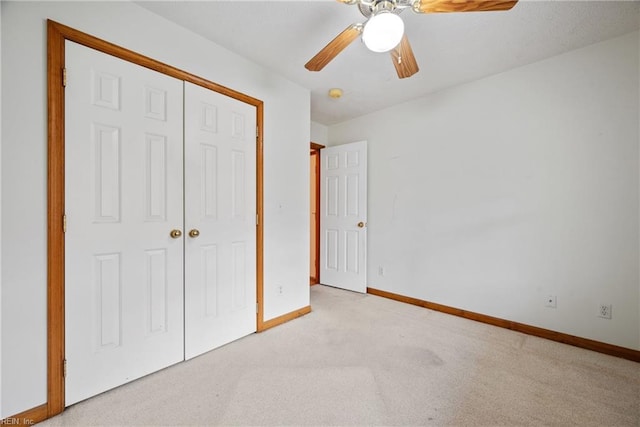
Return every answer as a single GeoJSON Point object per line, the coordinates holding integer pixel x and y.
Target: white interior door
{"type": "Point", "coordinates": [343, 219]}
{"type": "Point", "coordinates": [220, 219]}
{"type": "Point", "coordinates": [123, 192]}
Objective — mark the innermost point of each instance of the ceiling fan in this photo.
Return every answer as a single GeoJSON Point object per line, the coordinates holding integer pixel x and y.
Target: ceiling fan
{"type": "Point", "coordinates": [383, 30]}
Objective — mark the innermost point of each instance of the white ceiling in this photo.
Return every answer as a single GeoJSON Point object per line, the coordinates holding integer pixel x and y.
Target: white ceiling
{"type": "Point", "coordinates": [451, 48]}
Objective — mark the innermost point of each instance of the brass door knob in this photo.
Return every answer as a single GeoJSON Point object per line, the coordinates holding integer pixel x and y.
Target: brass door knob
{"type": "Point", "coordinates": [194, 233]}
{"type": "Point", "coordinates": [175, 234]}
{"type": "Point", "coordinates": [361, 224]}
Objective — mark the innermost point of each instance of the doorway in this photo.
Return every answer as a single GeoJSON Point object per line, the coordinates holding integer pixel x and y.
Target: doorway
{"type": "Point", "coordinates": [314, 175]}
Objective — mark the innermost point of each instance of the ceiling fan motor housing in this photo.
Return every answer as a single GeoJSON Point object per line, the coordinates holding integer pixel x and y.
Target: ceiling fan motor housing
{"type": "Point", "coordinates": [370, 8]}
{"type": "Point", "coordinates": [383, 5]}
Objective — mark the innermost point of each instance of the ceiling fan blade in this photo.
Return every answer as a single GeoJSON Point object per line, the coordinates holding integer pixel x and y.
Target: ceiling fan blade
{"type": "Point", "coordinates": [439, 6]}
{"type": "Point", "coordinates": [403, 59]}
{"type": "Point", "coordinates": [334, 47]}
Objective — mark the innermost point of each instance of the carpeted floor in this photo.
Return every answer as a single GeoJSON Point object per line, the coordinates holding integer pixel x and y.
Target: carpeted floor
{"type": "Point", "coordinates": [364, 360]}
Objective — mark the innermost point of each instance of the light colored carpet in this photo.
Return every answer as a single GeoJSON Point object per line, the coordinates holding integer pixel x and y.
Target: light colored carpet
{"type": "Point", "coordinates": [364, 360]}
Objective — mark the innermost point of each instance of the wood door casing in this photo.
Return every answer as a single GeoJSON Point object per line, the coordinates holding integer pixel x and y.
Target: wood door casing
{"type": "Point", "coordinates": [57, 34]}
{"type": "Point", "coordinates": [314, 217]}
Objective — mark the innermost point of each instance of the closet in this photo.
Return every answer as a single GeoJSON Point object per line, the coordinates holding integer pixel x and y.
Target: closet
{"type": "Point", "coordinates": [160, 217]}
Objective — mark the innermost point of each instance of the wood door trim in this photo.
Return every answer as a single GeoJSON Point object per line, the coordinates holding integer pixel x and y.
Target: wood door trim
{"type": "Point", "coordinates": [315, 150]}
{"type": "Point", "coordinates": [55, 214]}
{"type": "Point", "coordinates": [57, 34]}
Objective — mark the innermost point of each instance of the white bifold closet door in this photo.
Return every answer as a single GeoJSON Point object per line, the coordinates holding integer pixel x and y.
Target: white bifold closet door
{"type": "Point", "coordinates": [123, 193]}
{"type": "Point", "coordinates": [137, 298]}
{"type": "Point", "coordinates": [220, 194]}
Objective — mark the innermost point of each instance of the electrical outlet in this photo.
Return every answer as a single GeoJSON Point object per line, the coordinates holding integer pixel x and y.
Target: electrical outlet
{"type": "Point", "coordinates": [380, 271]}
{"type": "Point", "coordinates": [280, 290]}
{"type": "Point", "coordinates": [604, 311]}
{"type": "Point", "coordinates": [551, 301]}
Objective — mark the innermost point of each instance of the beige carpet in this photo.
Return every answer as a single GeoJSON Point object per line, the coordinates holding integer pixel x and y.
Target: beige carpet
{"type": "Point", "coordinates": [364, 360]}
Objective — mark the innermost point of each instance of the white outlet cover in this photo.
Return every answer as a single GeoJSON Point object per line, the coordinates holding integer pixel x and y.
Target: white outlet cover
{"type": "Point", "coordinates": [604, 311]}
{"type": "Point", "coordinates": [551, 301]}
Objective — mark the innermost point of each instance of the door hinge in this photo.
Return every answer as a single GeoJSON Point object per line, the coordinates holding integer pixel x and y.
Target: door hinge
{"type": "Point", "coordinates": [64, 223]}
{"type": "Point", "coordinates": [64, 368]}
{"type": "Point", "coordinates": [64, 77]}
{"type": "Point", "coordinates": [257, 219]}
{"type": "Point", "coordinates": [257, 308]}
{"type": "Point", "coordinates": [257, 132]}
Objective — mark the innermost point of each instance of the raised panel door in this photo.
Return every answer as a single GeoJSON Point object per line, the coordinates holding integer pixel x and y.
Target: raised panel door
{"type": "Point", "coordinates": [220, 203]}
{"type": "Point", "coordinates": [123, 192]}
{"type": "Point", "coordinates": [343, 217]}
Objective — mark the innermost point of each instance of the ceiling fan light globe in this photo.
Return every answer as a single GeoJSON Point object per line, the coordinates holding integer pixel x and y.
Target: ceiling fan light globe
{"type": "Point", "coordinates": [383, 32]}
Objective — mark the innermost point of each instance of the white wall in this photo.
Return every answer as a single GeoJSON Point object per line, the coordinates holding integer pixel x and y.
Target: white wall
{"type": "Point", "coordinates": [319, 133]}
{"type": "Point", "coordinates": [492, 195]}
{"type": "Point", "coordinates": [2, 414]}
{"type": "Point", "coordinates": [23, 170]}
